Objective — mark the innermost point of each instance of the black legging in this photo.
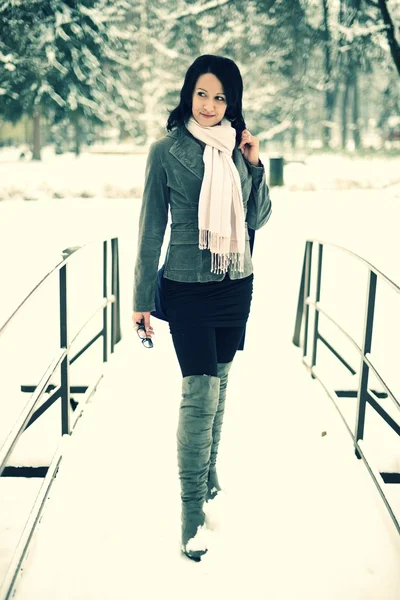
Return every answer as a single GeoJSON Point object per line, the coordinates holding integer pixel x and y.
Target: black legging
{"type": "Point", "coordinates": [199, 349]}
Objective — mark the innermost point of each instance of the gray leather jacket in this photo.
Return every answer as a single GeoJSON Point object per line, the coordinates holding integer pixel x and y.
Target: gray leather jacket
{"type": "Point", "coordinates": [174, 173]}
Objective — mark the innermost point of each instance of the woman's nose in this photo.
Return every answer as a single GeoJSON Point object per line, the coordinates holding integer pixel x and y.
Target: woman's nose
{"type": "Point", "coordinates": [209, 106]}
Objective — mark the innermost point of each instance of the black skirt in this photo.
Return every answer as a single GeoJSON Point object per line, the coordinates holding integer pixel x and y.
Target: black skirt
{"type": "Point", "coordinates": [223, 303]}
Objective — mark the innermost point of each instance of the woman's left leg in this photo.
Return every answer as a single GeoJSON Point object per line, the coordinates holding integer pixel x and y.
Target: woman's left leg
{"type": "Point", "coordinates": [228, 340]}
{"type": "Point", "coordinates": [195, 348]}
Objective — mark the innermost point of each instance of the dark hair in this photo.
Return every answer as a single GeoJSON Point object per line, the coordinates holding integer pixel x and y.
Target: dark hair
{"type": "Point", "coordinates": [229, 75]}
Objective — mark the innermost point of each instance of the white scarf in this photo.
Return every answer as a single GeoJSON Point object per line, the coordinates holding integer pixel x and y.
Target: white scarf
{"type": "Point", "coordinates": [221, 213]}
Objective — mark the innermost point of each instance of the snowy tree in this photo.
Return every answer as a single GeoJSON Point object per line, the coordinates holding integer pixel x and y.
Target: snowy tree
{"type": "Point", "coordinates": [305, 63]}
{"type": "Point", "coordinates": [256, 34]}
{"type": "Point", "coordinates": [21, 64]}
{"type": "Point", "coordinates": [352, 49]}
{"type": "Point", "coordinates": [391, 19]}
{"type": "Point", "coordinates": [68, 59]}
{"type": "Point", "coordinates": [276, 47]}
{"type": "Point", "coordinates": [329, 87]}
{"type": "Point", "coordinates": [168, 35]}
{"type": "Point", "coordinates": [91, 43]}
{"type": "Point", "coordinates": [362, 50]}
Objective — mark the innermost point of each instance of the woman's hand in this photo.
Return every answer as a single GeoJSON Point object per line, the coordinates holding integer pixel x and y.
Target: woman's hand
{"type": "Point", "coordinates": [137, 317]}
{"type": "Point", "coordinates": [250, 147]}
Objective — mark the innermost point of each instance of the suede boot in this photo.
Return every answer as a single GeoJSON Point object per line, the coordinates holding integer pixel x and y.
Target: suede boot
{"type": "Point", "coordinates": [213, 486]}
{"type": "Point", "coordinates": [200, 394]}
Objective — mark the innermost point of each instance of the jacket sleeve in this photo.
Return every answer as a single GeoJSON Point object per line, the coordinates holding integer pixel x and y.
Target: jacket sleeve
{"type": "Point", "coordinates": [152, 224]}
{"type": "Point", "coordinates": [259, 206]}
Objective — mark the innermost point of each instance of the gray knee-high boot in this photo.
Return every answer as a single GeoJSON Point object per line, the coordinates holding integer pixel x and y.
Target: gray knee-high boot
{"type": "Point", "coordinates": [200, 395]}
{"type": "Point", "coordinates": [213, 486]}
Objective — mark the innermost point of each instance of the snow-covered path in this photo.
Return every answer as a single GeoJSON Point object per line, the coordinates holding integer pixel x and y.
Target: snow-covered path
{"type": "Point", "coordinates": [300, 518]}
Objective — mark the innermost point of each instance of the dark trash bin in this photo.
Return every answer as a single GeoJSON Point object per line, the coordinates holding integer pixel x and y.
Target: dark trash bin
{"type": "Point", "coordinates": [276, 171]}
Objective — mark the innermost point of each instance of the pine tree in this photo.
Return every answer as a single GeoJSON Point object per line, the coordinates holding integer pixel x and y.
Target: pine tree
{"type": "Point", "coordinates": [68, 59]}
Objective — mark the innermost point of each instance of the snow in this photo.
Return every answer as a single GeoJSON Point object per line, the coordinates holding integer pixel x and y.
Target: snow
{"type": "Point", "coordinates": [17, 498]}
{"type": "Point", "coordinates": [193, 10]}
{"type": "Point", "coordinates": [299, 516]}
{"type": "Point", "coordinates": [200, 541]}
{"type": "Point", "coordinates": [116, 175]}
{"type": "Point", "coordinates": [357, 31]}
{"type": "Point", "coordinates": [93, 176]}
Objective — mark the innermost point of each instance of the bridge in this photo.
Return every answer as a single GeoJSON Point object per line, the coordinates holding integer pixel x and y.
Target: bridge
{"type": "Point", "coordinates": [301, 515]}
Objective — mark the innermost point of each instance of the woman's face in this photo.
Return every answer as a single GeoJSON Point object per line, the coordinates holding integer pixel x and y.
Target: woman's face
{"type": "Point", "coordinates": [208, 99]}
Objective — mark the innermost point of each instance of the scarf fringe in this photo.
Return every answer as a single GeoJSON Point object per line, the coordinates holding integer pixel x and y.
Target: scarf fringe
{"type": "Point", "coordinates": [224, 253]}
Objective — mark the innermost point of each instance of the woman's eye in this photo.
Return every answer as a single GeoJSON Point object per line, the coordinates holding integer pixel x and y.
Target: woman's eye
{"type": "Point", "coordinates": [218, 97]}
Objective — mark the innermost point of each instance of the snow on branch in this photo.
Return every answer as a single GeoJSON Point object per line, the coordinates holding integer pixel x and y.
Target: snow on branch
{"type": "Point", "coordinates": [355, 31]}
{"type": "Point", "coordinates": [97, 17]}
{"type": "Point", "coordinates": [51, 57]}
{"type": "Point", "coordinates": [91, 59]}
{"type": "Point", "coordinates": [6, 58]}
{"type": "Point", "coordinates": [191, 11]}
{"type": "Point", "coordinates": [273, 131]}
{"type": "Point", "coordinates": [162, 49]}
{"type": "Point", "coordinates": [222, 41]}
{"type": "Point", "coordinates": [116, 57]}
{"type": "Point", "coordinates": [45, 88]}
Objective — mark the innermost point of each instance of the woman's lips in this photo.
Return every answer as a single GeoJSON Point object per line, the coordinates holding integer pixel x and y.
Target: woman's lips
{"type": "Point", "coordinates": [207, 116]}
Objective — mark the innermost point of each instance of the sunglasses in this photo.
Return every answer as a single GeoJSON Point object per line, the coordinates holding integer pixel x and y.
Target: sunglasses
{"type": "Point", "coordinates": [141, 331]}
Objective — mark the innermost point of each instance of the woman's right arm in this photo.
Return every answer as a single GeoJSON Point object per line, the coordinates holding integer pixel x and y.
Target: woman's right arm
{"type": "Point", "coordinates": [152, 224]}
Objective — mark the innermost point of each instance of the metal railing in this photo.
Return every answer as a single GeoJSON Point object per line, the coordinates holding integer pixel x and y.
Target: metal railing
{"type": "Point", "coordinates": [62, 360]}
{"type": "Point", "coordinates": [364, 394]}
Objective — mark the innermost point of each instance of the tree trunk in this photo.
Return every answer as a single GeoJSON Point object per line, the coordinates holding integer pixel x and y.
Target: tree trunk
{"type": "Point", "coordinates": [305, 133]}
{"type": "Point", "coordinates": [36, 135]}
{"type": "Point", "coordinates": [293, 135]}
{"type": "Point", "coordinates": [390, 33]}
{"type": "Point", "coordinates": [345, 101]}
{"type": "Point", "coordinates": [348, 15]}
{"type": "Point", "coordinates": [26, 131]}
{"type": "Point", "coordinates": [146, 81]}
{"type": "Point", "coordinates": [296, 15]}
{"type": "Point", "coordinates": [123, 133]}
{"type": "Point", "coordinates": [77, 133]}
{"type": "Point", "coordinates": [330, 92]}
{"type": "Point", "coordinates": [356, 112]}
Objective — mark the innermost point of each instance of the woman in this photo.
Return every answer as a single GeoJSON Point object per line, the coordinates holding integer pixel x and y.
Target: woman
{"type": "Point", "coordinates": [207, 172]}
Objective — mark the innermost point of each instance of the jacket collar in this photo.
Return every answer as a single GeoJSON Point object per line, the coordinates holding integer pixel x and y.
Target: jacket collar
{"type": "Point", "coordinates": [189, 152]}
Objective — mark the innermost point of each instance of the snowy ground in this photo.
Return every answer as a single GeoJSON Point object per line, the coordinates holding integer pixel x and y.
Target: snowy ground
{"type": "Point", "coordinates": [121, 176]}
{"type": "Point", "coordinates": [365, 221]}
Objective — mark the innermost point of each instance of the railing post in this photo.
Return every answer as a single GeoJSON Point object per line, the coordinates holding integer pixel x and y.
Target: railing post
{"type": "Point", "coordinates": [115, 307]}
{"type": "Point", "coordinates": [307, 284]}
{"type": "Point", "coordinates": [65, 399]}
{"type": "Point", "coordinates": [316, 317]}
{"type": "Point", "coordinates": [105, 309]}
{"type": "Point", "coordinates": [362, 393]}
{"type": "Point", "coordinates": [300, 304]}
